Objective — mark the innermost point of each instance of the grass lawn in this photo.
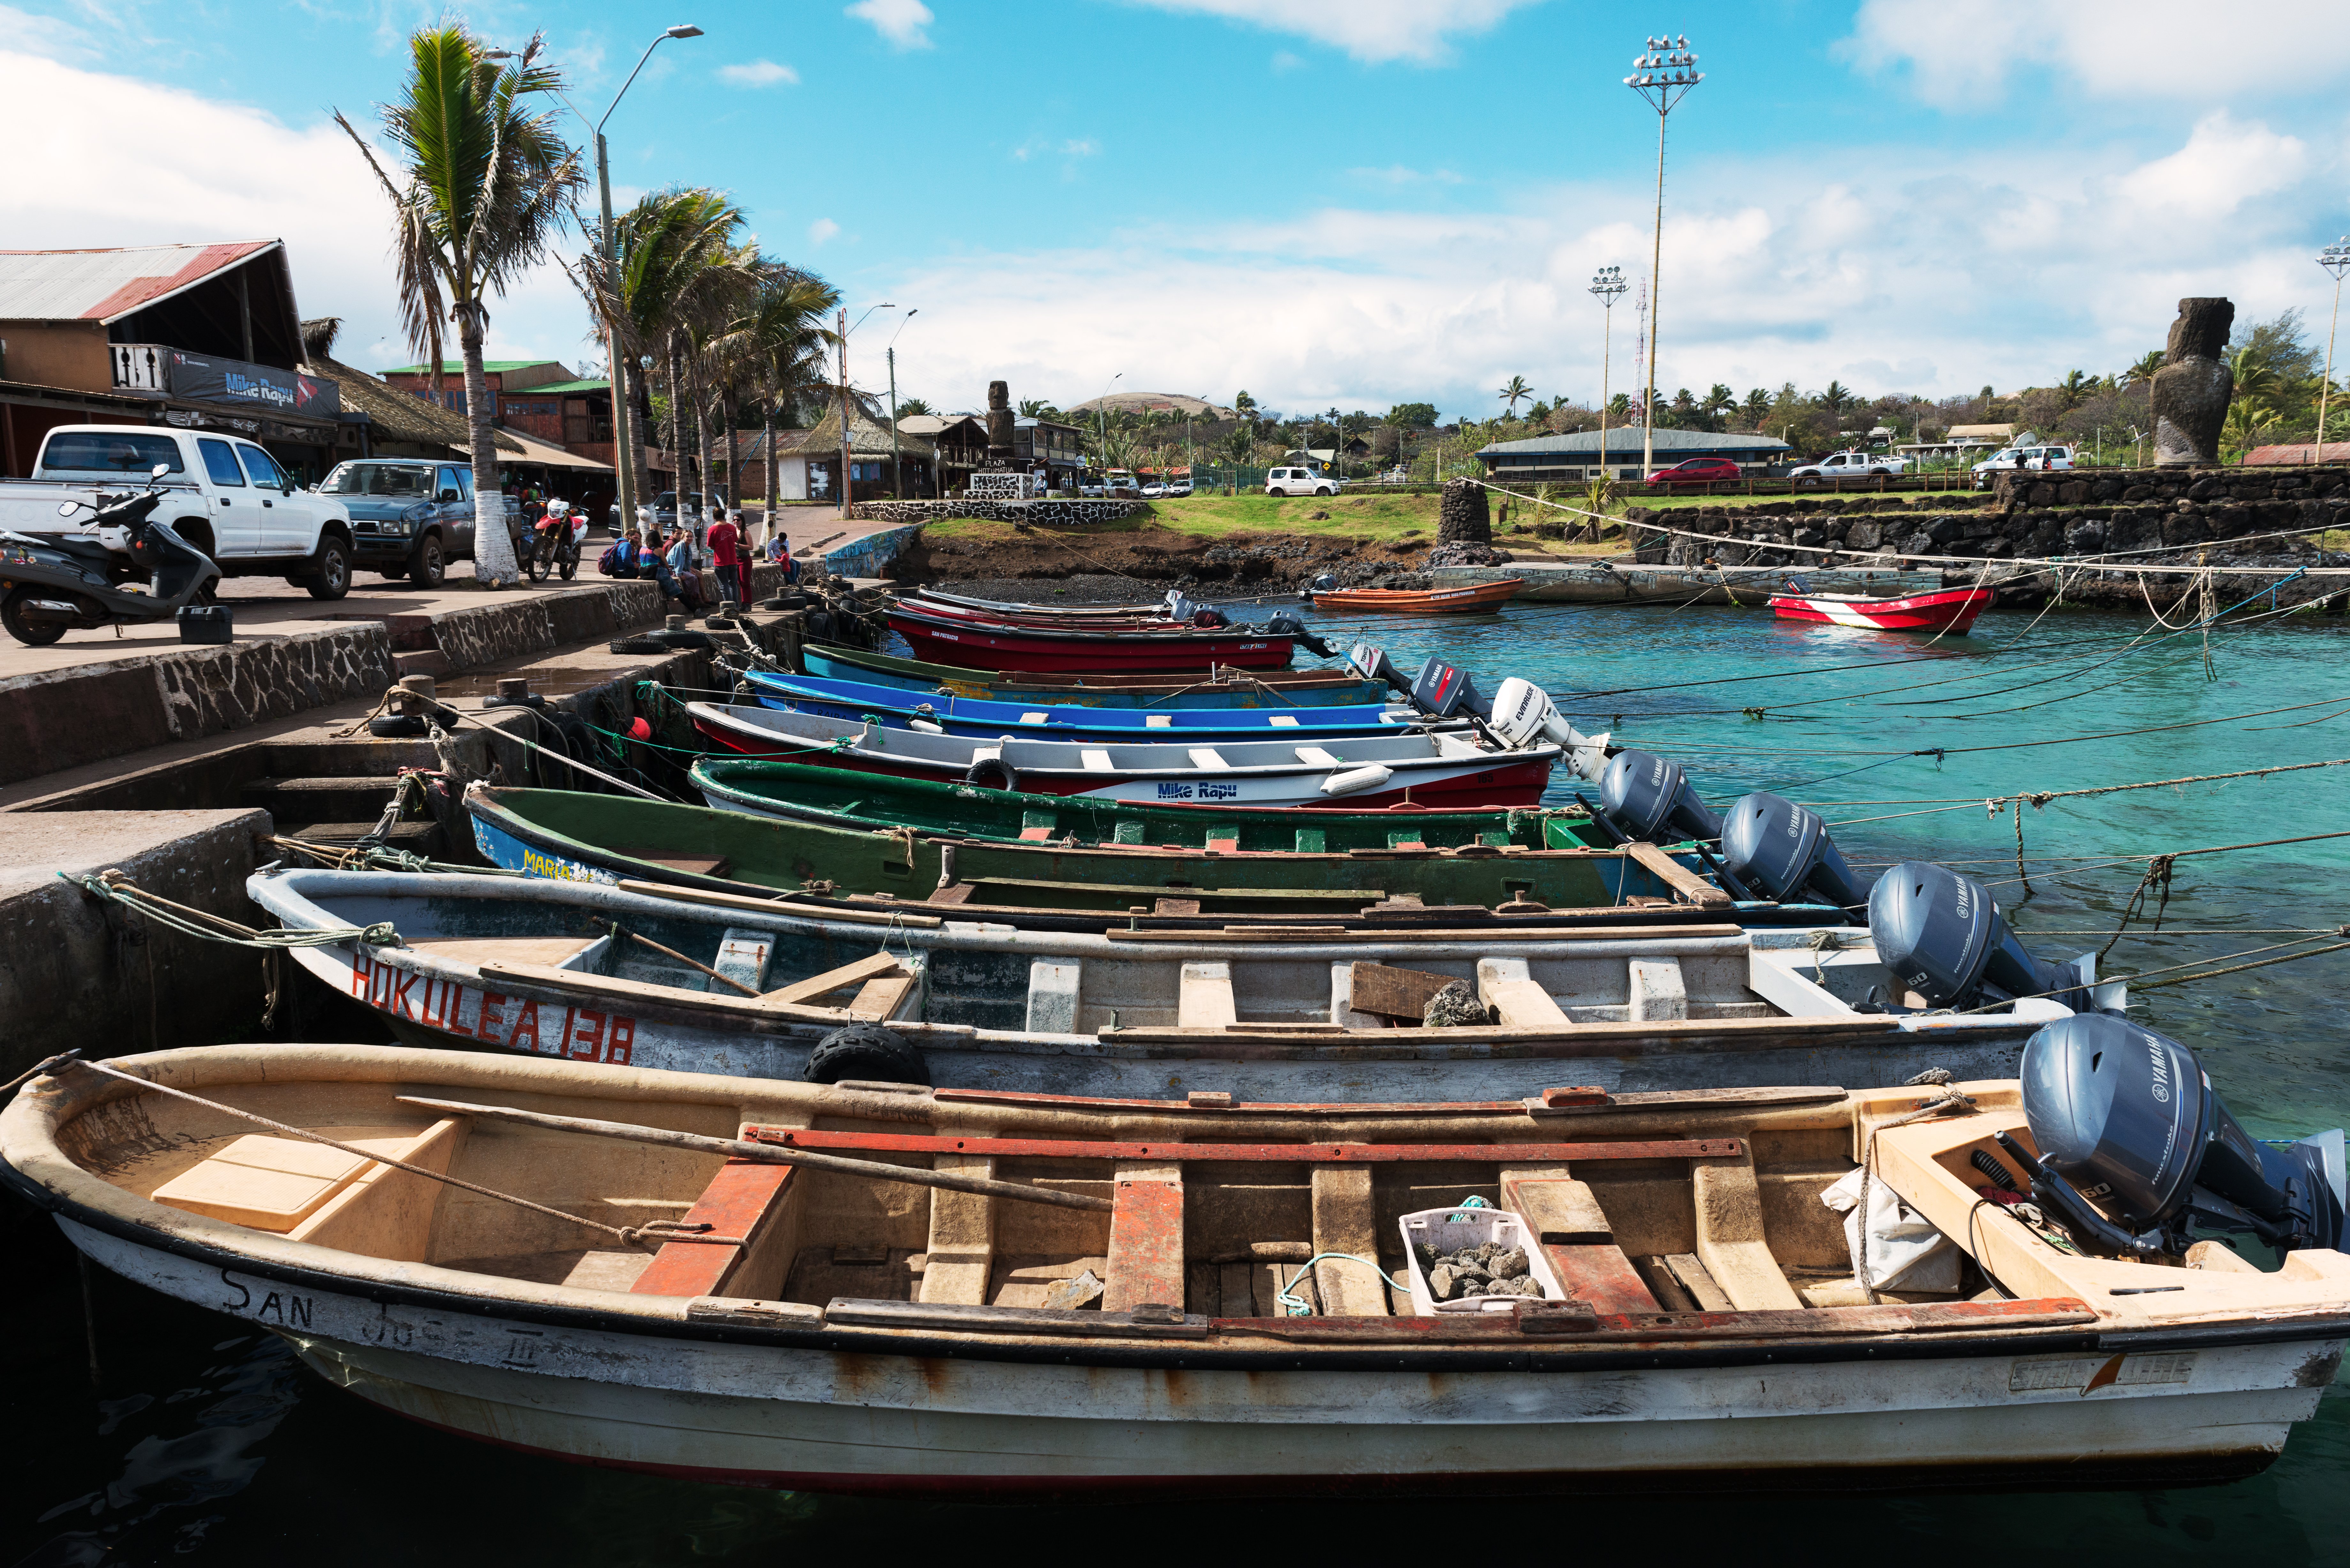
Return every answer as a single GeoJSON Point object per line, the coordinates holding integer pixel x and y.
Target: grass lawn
{"type": "Point", "coordinates": [1370, 516]}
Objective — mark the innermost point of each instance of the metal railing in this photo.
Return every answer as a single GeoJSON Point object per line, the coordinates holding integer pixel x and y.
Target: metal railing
{"type": "Point", "coordinates": [140, 367]}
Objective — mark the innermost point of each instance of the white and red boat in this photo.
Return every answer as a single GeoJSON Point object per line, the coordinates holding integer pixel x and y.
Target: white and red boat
{"type": "Point", "coordinates": [1356, 773]}
{"type": "Point", "coordinates": [1943, 610]}
{"type": "Point", "coordinates": [950, 635]}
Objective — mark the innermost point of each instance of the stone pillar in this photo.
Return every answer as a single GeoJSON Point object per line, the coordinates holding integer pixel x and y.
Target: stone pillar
{"type": "Point", "coordinates": [1460, 516]}
{"type": "Point", "coordinates": [999, 423]}
{"type": "Point", "coordinates": [2192, 388]}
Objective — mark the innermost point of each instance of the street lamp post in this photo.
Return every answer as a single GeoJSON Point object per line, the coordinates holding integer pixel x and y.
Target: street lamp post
{"type": "Point", "coordinates": [847, 496]}
{"type": "Point", "coordinates": [897, 469]}
{"type": "Point", "coordinates": [1101, 428]}
{"type": "Point", "coordinates": [1608, 284]}
{"type": "Point", "coordinates": [623, 421]}
{"type": "Point", "coordinates": [2335, 259]}
{"type": "Point", "coordinates": [1663, 74]}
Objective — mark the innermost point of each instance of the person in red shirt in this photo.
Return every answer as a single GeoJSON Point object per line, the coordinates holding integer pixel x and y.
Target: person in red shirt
{"type": "Point", "coordinates": [722, 538]}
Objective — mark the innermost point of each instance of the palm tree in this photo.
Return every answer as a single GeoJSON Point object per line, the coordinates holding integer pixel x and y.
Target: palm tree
{"type": "Point", "coordinates": [774, 351]}
{"type": "Point", "coordinates": [913, 406]}
{"type": "Point", "coordinates": [2076, 389]}
{"type": "Point", "coordinates": [2256, 380]}
{"type": "Point", "coordinates": [2248, 419]}
{"type": "Point", "coordinates": [1717, 402]}
{"type": "Point", "coordinates": [1832, 401]}
{"type": "Point", "coordinates": [484, 186]}
{"type": "Point", "coordinates": [2141, 371]}
{"type": "Point", "coordinates": [1508, 395]}
{"type": "Point", "coordinates": [1757, 407]}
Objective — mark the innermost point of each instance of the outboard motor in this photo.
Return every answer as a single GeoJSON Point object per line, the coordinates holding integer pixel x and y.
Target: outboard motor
{"type": "Point", "coordinates": [1771, 843]}
{"type": "Point", "coordinates": [1372, 662]}
{"type": "Point", "coordinates": [1289, 626]}
{"type": "Point", "coordinates": [1643, 797]}
{"type": "Point", "coordinates": [1442, 691]}
{"type": "Point", "coordinates": [1941, 936]}
{"type": "Point", "coordinates": [1320, 583]}
{"type": "Point", "coordinates": [2127, 1117]}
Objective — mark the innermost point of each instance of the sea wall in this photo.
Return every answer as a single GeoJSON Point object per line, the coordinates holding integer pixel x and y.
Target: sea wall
{"type": "Point", "coordinates": [1045, 513]}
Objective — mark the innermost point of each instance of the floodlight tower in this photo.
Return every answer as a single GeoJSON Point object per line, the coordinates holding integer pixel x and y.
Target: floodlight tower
{"type": "Point", "coordinates": [1663, 74]}
{"type": "Point", "coordinates": [1608, 284]}
{"type": "Point", "coordinates": [2335, 259]}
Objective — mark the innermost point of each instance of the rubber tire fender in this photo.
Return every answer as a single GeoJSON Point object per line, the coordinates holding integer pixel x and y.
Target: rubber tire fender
{"type": "Point", "coordinates": [991, 772]}
{"type": "Point", "coordinates": [866, 1051]}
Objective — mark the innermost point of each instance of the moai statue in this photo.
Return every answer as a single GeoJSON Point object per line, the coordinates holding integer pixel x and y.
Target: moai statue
{"type": "Point", "coordinates": [2192, 388]}
{"type": "Point", "coordinates": [999, 423]}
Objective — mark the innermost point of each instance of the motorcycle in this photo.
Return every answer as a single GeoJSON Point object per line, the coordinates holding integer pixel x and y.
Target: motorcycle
{"type": "Point", "coordinates": [555, 544]}
{"type": "Point", "coordinates": [54, 583]}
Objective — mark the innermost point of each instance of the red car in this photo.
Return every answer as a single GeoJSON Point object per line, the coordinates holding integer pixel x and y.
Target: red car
{"type": "Point", "coordinates": [1696, 470]}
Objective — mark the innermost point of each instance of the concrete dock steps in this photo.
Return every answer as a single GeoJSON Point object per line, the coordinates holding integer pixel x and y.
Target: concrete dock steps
{"type": "Point", "coordinates": [352, 798]}
{"type": "Point", "coordinates": [422, 837]}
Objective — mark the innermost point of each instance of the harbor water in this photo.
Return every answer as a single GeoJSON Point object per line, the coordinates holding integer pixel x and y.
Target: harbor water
{"type": "Point", "coordinates": [192, 1439]}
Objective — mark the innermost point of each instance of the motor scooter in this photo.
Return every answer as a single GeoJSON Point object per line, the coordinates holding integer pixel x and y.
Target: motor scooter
{"type": "Point", "coordinates": [53, 584]}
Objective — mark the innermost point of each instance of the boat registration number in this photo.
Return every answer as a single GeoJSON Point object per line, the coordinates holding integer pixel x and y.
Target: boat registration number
{"type": "Point", "coordinates": [578, 1034]}
{"type": "Point", "coordinates": [2088, 1373]}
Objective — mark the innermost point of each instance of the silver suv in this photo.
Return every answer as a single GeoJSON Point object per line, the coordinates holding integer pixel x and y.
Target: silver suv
{"type": "Point", "coordinates": [2024, 457]}
{"type": "Point", "coordinates": [1299, 481]}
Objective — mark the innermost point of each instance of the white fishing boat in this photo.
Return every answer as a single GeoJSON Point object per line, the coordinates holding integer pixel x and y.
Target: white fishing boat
{"type": "Point", "coordinates": [842, 1289]}
{"type": "Point", "coordinates": [657, 976]}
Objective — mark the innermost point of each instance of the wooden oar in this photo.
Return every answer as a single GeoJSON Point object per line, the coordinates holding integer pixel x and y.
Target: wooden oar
{"type": "Point", "coordinates": [771, 1154]}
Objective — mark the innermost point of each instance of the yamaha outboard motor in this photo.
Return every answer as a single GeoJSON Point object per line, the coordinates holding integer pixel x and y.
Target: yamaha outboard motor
{"type": "Point", "coordinates": [1645, 799]}
{"type": "Point", "coordinates": [1773, 844]}
{"type": "Point", "coordinates": [1941, 936]}
{"type": "Point", "coordinates": [1442, 691]}
{"type": "Point", "coordinates": [1289, 626]}
{"type": "Point", "coordinates": [2127, 1117]}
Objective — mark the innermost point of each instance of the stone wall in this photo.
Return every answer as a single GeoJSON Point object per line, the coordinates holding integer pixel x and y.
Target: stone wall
{"type": "Point", "coordinates": [2179, 514]}
{"type": "Point", "coordinates": [64, 718]}
{"type": "Point", "coordinates": [1045, 513]}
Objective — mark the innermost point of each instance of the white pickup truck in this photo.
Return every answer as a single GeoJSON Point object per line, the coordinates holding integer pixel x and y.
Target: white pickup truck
{"type": "Point", "coordinates": [1848, 464]}
{"type": "Point", "coordinates": [223, 495]}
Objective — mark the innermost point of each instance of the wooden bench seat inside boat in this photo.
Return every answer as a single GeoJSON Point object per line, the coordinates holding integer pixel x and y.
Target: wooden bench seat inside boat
{"type": "Point", "coordinates": [310, 1192]}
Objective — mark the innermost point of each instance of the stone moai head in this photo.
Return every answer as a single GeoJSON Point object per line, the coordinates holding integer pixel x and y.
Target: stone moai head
{"type": "Point", "coordinates": [2195, 385]}
{"type": "Point", "coordinates": [999, 396]}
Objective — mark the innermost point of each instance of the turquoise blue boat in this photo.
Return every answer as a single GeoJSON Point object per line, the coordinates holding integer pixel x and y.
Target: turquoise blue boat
{"type": "Point", "coordinates": [900, 709]}
{"type": "Point", "coordinates": [1336, 687]}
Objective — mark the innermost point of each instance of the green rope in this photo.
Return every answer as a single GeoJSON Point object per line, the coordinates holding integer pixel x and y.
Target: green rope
{"type": "Point", "coordinates": [163, 912]}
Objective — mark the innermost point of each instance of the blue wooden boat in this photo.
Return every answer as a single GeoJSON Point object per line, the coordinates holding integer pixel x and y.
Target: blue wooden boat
{"type": "Point", "coordinates": [899, 709]}
{"type": "Point", "coordinates": [1336, 687]}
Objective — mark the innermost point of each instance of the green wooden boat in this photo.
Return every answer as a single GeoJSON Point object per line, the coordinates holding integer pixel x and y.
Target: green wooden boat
{"type": "Point", "coordinates": [880, 803]}
{"type": "Point", "coordinates": [613, 839]}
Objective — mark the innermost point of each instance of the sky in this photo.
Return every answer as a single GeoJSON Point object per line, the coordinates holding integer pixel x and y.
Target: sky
{"type": "Point", "coordinates": [1325, 205]}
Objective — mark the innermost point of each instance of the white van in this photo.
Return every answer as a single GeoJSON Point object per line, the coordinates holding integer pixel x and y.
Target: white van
{"type": "Point", "coordinates": [2040, 458]}
{"type": "Point", "coordinates": [1299, 481]}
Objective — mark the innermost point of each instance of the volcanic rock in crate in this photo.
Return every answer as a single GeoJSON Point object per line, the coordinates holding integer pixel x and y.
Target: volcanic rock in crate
{"type": "Point", "coordinates": [1455, 1007]}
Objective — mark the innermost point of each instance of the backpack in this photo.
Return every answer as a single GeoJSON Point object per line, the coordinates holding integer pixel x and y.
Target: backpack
{"type": "Point", "coordinates": [608, 563]}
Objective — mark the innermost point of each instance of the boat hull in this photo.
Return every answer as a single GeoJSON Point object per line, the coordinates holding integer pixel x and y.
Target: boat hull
{"type": "Point", "coordinates": [1476, 599]}
{"type": "Point", "coordinates": [900, 709]}
{"type": "Point", "coordinates": [1953, 610]}
{"type": "Point", "coordinates": [741, 1403]}
{"type": "Point", "coordinates": [1289, 688]}
{"type": "Point", "coordinates": [1084, 652]}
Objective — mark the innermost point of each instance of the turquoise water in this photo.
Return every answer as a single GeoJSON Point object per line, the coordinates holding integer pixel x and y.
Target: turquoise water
{"type": "Point", "coordinates": [199, 1442]}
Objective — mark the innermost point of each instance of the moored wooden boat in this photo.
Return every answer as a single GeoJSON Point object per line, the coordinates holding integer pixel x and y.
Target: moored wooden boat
{"type": "Point", "coordinates": [1444, 769]}
{"type": "Point", "coordinates": [1951, 610]}
{"type": "Point", "coordinates": [943, 638]}
{"type": "Point", "coordinates": [841, 1327]}
{"type": "Point", "coordinates": [901, 708]}
{"type": "Point", "coordinates": [1043, 880]}
{"type": "Point", "coordinates": [1285, 1012]}
{"type": "Point", "coordinates": [1472, 599]}
{"type": "Point", "coordinates": [1209, 688]}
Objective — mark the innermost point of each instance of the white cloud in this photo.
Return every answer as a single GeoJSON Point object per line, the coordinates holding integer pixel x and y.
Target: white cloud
{"type": "Point", "coordinates": [822, 230]}
{"type": "Point", "coordinates": [1932, 286]}
{"type": "Point", "coordinates": [900, 21]}
{"type": "Point", "coordinates": [1284, 62]}
{"type": "Point", "coordinates": [758, 74]}
{"type": "Point", "coordinates": [1370, 30]}
{"type": "Point", "coordinates": [1962, 52]}
{"type": "Point", "coordinates": [1044, 147]}
{"type": "Point", "coordinates": [129, 186]}
{"type": "Point", "coordinates": [1398, 174]}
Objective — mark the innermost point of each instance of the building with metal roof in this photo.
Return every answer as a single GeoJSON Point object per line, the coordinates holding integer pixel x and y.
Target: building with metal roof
{"type": "Point", "coordinates": [1578, 455]}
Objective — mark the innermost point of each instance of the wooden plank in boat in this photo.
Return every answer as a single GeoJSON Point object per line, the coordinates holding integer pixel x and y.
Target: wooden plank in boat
{"type": "Point", "coordinates": [1393, 992]}
{"type": "Point", "coordinates": [848, 1313]}
{"type": "Point", "coordinates": [1303, 1153]}
{"type": "Point", "coordinates": [266, 1182]}
{"type": "Point", "coordinates": [549, 950]}
{"type": "Point", "coordinates": [698, 864]}
{"type": "Point", "coordinates": [1346, 1220]}
{"type": "Point", "coordinates": [1695, 1278]}
{"type": "Point", "coordinates": [1194, 895]}
{"type": "Point", "coordinates": [743, 1201]}
{"type": "Point", "coordinates": [782, 903]}
{"type": "Point", "coordinates": [1576, 1236]}
{"type": "Point", "coordinates": [1678, 877]}
{"type": "Point", "coordinates": [1146, 1239]}
{"type": "Point", "coordinates": [873, 966]}
{"type": "Point", "coordinates": [1636, 1328]}
{"type": "Point", "coordinates": [1668, 1100]}
{"type": "Point", "coordinates": [1588, 1039]}
{"type": "Point", "coordinates": [644, 993]}
{"type": "Point", "coordinates": [1083, 1102]}
{"type": "Point", "coordinates": [1509, 932]}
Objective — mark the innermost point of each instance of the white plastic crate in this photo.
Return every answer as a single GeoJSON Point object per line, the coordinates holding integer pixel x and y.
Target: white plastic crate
{"type": "Point", "coordinates": [1448, 1230]}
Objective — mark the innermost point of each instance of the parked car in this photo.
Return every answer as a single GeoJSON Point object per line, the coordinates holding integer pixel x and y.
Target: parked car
{"type": "Point", "coordinates": [1299, 481]}
{"type": "Point", "coordinates": [1696, 470]}
{"type": "Point", "coordinates": [1093, 488]}
{"type": "Point", "coordinates": [1181, 488]}
{"type": "Point", "coordinates": [664, 508]}
{"type": "Point", "coordinates": [410, 517]}
{"type": "Point", "coordinates": [1852, 464]}
{"type": "Point", "coordinates": [224, 495]}
{"type": "Point", "coordinates": [2023, 457]}
{"type": "Point", "coordinates": [1153, 491]}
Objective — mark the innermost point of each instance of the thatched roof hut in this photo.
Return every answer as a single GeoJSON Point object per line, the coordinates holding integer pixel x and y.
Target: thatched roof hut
{"type": "Point", "coordinates": [404, 424]}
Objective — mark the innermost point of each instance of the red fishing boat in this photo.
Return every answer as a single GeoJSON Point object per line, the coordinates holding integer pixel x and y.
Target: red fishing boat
{"type": "Point", "coordinates": [1089, 650]}
{"type": "Point", "coordinates": [1943, 610]}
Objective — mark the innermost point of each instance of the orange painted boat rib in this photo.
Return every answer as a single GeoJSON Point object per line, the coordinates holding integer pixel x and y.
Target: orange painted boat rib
{"type": "Point", "coordinates": [1466, 600]}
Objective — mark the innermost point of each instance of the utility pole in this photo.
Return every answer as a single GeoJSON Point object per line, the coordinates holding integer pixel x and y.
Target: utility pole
{"type": "Point", "coordinates": [2335, 259]}
{"type": "Point", "coordinates": [1663, 76]}
{"type": "Point", "coordinates": [1608, 284]}
{"type": "Point", "coordinates": [843, 414]}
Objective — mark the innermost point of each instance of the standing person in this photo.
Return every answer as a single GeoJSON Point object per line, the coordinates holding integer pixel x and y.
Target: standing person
{"type": "Point", "coordinates": [724, 537]}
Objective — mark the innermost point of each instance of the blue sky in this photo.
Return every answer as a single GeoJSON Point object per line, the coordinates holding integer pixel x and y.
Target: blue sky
{"type": "Point", "coordinates": [1389, 200]}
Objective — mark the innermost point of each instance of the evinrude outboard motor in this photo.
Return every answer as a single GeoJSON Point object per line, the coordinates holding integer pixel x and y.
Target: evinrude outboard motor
{"type": "Point", "coordinates": [1289, 626]}
{"type": "Point", "coordinates": [2127, 1117]}
{"type": "Point", "coordinates": [1775, 846]}
{"type": "Point", "coordinates": [1941, 936]}
{"type": "Point", "coordinates": [1645, 799]}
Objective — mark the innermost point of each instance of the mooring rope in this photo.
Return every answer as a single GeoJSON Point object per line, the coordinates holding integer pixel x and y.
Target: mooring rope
{"type": "Point", "coordinates": [113, 886]}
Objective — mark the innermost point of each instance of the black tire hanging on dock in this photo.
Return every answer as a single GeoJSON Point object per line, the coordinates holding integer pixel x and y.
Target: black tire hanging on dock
{"type": "Point", "coordinates": [869, 1052]}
